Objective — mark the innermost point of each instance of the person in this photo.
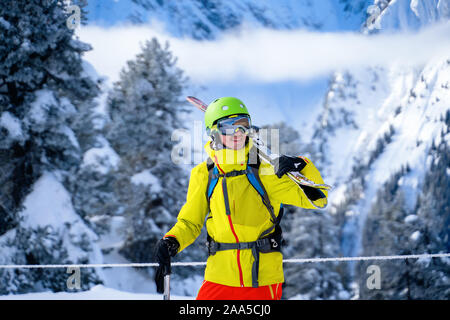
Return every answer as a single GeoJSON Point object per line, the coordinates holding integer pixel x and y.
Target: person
{"type": "Point", "coordinates": [241, 201]}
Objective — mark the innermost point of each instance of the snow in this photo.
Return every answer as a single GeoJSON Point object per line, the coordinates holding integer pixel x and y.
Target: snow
{"type": "Point", "coordinates": [50, 204]}
{"type": "Point", "coordinates": [39, 108]}
{"type": "Point", "coordinates": [12, 124]}
{"type": "Point", "coordinates": [200, 24]}
{"type": "Point", "coordinates": [281, 75]}
{"type": "Point", "coordinates": [71, 135]}
{"type": "Point", "coordinates": [7, 250]}
{"type": "Point", "coordinates": [148, 179]}
{"type": "Point", "coordinates": [376, 118]}
{"type": "Point", "coordinates": [410, 98]}
{"type": "Point", "coordinates": [415, 236]}
{"type": "Point", "coordinates": [414, 7]}
{"type": "Point", "coordinates": [338, 196]}
{"type": "Point", "coordinates": [98, 292]}
{"type": "Point", "coordinates": [138, 281]}
{"type": "Point", "coordinates": [101, 159]}
{"type": "Point", "coordinates": [411, 218]}
{"type": "Point", "coordinates": [90, 71]}
{"type": "Point", "coordinates": [5, 24]}
{"type": "Point", "coordinates": [113, 238]}
{"type": "Point", "coordinates": [414, 129]}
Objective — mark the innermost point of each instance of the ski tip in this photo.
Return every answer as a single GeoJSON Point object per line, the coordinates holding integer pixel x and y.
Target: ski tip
{"type": "Point", "coordinates": [197, 102]}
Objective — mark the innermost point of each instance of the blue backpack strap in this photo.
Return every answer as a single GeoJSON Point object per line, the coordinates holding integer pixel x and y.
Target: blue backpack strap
{"type": "Point", "coordinates": [213, 178]}
{"type": "Point", "coordinates": [212, 183]}
{"type": "Point", "coordinates": [255, 181]}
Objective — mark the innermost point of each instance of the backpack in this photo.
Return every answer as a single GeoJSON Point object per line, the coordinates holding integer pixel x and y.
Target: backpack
{"type": "Point", "coordinates": [267, 242]}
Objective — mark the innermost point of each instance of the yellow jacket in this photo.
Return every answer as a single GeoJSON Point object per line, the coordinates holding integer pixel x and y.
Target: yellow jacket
{"type": "Point", "coordinates": [249, 217]}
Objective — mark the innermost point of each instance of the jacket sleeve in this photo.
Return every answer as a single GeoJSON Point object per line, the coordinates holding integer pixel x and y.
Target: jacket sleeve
{"type": "Point", "coordinates": [191, 217]}
{"type": "Point", "coordinates": [286, 191]}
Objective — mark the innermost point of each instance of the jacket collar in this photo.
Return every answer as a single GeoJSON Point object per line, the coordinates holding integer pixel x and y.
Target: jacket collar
{"type": "Point", "coordinates": [227, 159]}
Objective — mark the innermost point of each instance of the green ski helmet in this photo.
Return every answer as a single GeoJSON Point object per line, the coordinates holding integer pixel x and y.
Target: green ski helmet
{"type": "Point", "coordinates": [221, 108]}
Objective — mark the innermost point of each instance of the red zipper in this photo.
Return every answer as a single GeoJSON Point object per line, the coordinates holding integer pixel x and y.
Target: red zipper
{"type": "Point", "coordinates": [241, 276]}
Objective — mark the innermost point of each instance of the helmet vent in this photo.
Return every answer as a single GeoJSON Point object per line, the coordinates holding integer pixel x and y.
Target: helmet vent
{"type": "Point", "coordinates": [225, 108]}
{"type": "Point", "coordinates": [242, 106]}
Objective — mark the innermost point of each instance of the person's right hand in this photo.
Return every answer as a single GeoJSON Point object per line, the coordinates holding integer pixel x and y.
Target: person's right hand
{"type": "Point", "coordinates": [165, 248]}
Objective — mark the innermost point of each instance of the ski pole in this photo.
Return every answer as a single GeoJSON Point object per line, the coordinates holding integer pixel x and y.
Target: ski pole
{"type": "Point", "coordinates": [166, 287]}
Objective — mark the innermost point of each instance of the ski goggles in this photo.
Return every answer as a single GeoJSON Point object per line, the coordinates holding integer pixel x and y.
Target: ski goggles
{"type": "Point", "coordinates": [231, 125]}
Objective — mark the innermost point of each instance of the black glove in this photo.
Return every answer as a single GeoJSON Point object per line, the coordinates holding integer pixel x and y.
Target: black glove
{"type": "Point", "coordinates": [285, 164]}
{"type": "Point", "coordinates": [165, 248]}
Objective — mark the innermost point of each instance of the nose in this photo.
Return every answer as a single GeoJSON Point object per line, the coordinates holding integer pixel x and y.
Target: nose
{"type": "Point", "coordinates": [239, 132]}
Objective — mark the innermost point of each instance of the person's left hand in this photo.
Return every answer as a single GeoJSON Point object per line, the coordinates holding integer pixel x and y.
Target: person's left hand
{"type": "Point", "coordinates": [285, 164]}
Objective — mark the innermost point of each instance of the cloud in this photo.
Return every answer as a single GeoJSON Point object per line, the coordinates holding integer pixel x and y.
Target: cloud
{"type": "Point", "coordinates": [262, 55]}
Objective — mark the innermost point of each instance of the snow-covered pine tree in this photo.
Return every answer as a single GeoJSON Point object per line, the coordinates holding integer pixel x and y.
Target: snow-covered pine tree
{"type": "Point", "coordinates": [386, 233]}
{"type": "Point", "coordinates": [43, 87]}
{"type": "Point", "coordinates": [432, 276]}
{"type": "Point", "coordinates": [145, 107]}
{"type": "Point", "coordinates": [314, 234]}
{"type": "Point", "coordinates": [91, 183]}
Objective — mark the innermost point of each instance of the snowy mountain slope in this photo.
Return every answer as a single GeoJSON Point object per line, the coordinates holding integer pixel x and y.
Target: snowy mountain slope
{"type": "Point", "coordinates": [390, 124]}
{"type": "Point", "coordinates": [377, 121]}
{"type": "Point", "coordinates": [208, 19]}
{"type": "Point", "coordinates": [411, 15]}
{"type": "Point", "coordinates": [402, 104]}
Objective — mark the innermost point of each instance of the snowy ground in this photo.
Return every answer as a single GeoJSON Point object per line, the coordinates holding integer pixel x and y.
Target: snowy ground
{"type": "Point", "coordinates": [50, 196]}
{"type": "Point", "coordinates": [96, 293]}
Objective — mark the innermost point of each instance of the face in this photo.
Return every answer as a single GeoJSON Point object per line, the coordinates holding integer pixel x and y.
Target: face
{"type": "Point", "coordinates": [235, 141]}
{"type": "Point", "coordinates": [233, 131]}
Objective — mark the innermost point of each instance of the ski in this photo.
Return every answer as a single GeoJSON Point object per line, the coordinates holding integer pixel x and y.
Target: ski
{"type": "Point", "coordinates": [264, 153]}
{"type": "Point", "coordinates": [197, 103]}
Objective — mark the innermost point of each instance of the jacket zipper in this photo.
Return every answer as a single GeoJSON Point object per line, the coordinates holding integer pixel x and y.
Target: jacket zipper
{"type": "Point", "coordinates": [241, 276]}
